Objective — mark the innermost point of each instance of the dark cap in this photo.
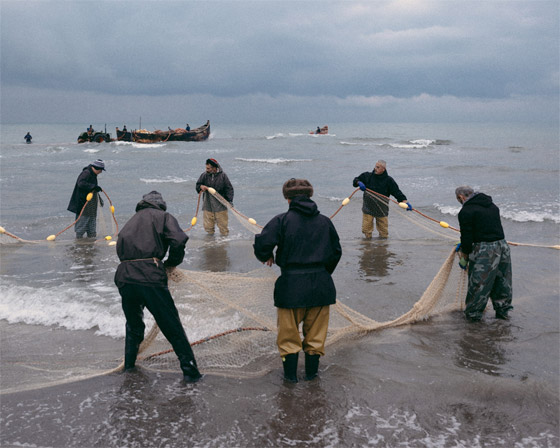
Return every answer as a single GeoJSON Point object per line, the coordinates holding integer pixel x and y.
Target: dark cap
{"type": "Point", "coordinates": [213, 162]}
{"type": "Point", "coordinates": [99, 164]}
{"type": "Point", "coordinates": [297, 187]}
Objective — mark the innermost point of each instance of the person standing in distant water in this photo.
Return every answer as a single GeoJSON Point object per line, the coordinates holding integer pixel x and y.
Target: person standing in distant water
{"type": "Point", "coordinates": [85, 184]}
{"type": "Point", "coordinates": [28, 137]}
{"type": "Point", "coordinates": [214, 212]}
{"type": "Point", "coordinates": [187, 127]}
{"type": "Point", "coordinates": [308, 251]}
{"type": "Point", "coordinates": [142, 279]}
{"type": "Point", "coordinates": [484, 246]}
{"type": "Point", "coordinates": [375, 206]}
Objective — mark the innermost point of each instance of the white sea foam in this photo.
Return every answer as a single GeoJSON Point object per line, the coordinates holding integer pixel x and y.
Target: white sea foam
{"type": "Point", "coordinates": [92, 151]}
{"type": "Point", "coordinates": [273, 161]}
{"type": "Point", "coordinates": [511, 214]}
{"type": "Point", "coordinates": [166, 180]}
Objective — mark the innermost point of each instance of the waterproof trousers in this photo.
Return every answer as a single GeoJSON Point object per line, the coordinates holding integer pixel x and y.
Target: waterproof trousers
{"type": "Point", "coordinates": [86, 224]}
{"type": "Point", "coordinates": [159, 302]}
{"type": "Point", "coordinates": [211, 219]}
{"type": "Point", "coordinates": [368, 225]}
{"type": "Point", "coordinates": [489, 278]}
{"type": "Point", "coordinates": [315, 325]}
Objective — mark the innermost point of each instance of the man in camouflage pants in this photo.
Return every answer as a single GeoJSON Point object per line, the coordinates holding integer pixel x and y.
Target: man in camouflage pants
{"type": "Point", "coordinates": [487, 252]}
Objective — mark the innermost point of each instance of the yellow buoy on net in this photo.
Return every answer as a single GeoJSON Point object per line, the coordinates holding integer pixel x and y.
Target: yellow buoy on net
{"type": "Point", "coordinates": [252, 221]}
{"type": "Point", "coordinates": [444, 224]}
{"type": "Point", "coordinates": [108, 238]}
{"type": "Point", "coordinates": [211, 190]}
{"type": "Point", "coordinates": [89, 196]}
{"type": "Point", "coordinates": [193, 221]}
{"type": "Point", "coordinates": [113, 209]}
{"type": "Point", "coordinates": [2, 230]}
{"type": "Point", "coordinates": [112, 243]}
{"type": "Point", "coordinates": [346, 201]}
{"type": "Point", "coordinates": [403, 205]}
{"type": "Point", "coordinates": [51, 237]}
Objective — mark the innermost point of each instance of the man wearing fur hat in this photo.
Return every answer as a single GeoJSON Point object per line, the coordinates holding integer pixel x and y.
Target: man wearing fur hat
{"type": "Point", "coordinates": [307, 251]}
{"type": "Point", "coordinates": [214, 212]}
{"type": "Point", "coordinates": [85, 184]}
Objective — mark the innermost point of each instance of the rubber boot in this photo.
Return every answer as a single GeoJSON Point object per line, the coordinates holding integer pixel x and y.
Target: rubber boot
{"type": "Point", "coordinates": [311, 366]}
{"type": "Point", "coordinates": [290, 367]}
{"type": "Point", "coordinates": [190, 370]}
{"type": "Point", "coordinates": [130, 352]}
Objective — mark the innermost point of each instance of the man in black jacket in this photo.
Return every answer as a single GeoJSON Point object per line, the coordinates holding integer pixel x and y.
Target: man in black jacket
{"type": "Point", "coordinates": [142, 279]}
{"type": "Point", "coordinates": [487, 252]}
{"type": "Point", "coordinates": [214, 212]}
{"type": "Point", "coordinates": [308, 251]}
{"type": "Point", "coordinates": [375, 206]}
{"type": "Point", "coordinates": [85, 184]}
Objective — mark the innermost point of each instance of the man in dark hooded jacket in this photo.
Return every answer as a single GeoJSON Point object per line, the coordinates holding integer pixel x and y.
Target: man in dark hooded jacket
{"type": "Point", "coordinates": [214, 212]}
{"type": "Point", "coordinates": [375, 206]}
{"type": "Point", "coordinates": [308, 251]}
{"type": "Point", "coordinates": [85, 184]}
{"type": "Point", "coordinates": [142, 279]}
{"type": "Point", "coordinates": [487, 252]}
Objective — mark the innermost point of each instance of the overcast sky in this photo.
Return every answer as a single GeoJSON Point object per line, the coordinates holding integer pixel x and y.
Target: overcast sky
{"type": "Point", "coordinates": [279, 62]}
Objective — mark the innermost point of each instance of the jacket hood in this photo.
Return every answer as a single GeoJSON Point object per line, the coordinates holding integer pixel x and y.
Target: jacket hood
{"type": "Point", "coordinates": [480, 199]}
{"type": "Point", "coordinates": [304, 205]}
{"type": "Point", "coordinates": [383, 174]}
{"type": "Point", "coordinates": [152, 200]}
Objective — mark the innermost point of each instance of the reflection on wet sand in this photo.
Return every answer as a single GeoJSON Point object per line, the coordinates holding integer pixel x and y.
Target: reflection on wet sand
{"type": "Point", "coordinates": [376, 260]}
{"type": "Point", "coordinates": [214, 255]}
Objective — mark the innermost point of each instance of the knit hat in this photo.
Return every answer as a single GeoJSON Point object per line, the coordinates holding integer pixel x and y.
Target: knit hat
{"type": "Point", "coordinates": [213, 162]}
{"type": "Point", "coordinates": [99, 164]}
{"type": "Point", "coordinates": [297, 187]}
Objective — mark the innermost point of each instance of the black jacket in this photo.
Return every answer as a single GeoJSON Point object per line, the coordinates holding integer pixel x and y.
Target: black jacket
{"type": "Point", "coordinates": [308, 251]}
{"type": "Point", "coordinates": [381, 183]}
{"type": "Point", "coordinates": [479, 220]}
{"type": "Point", "coordinates": [86, 182]}
{"type": "Point", "coordinates": [220, 182]}
{"type": "Point", "coordinates": [144, 241]}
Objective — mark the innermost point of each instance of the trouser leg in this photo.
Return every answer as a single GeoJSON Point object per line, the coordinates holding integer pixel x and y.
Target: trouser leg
{"type": "Point", "coordinates": [132, 306]}
{"type": "Point", "coordinates": [288, 338]}
{"type": "Point", "coordinates": [315, 326]}
{"type": "Point", "coordinates": [222, 221]}
{"type": "Point", "coordinates": [383, 226]}
{"type": "Point", "coordinates": [482, 273]}
{"type": "Point", "coordinates": [208, 220]}
{"type": "Point", "coordinates": [501, 294]}
{"type": "Point", "coordinates": [81, 226]}
{"type": "Point", "coordinates": [367, 225]}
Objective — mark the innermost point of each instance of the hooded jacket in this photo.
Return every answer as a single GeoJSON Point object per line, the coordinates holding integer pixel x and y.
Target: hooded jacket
{"type": "Point", "coordinates": [380, 183]}
{"type": "Point", "coordinates": [86, 182]}
{"type": "Point", "coordinates": [479, 220]}
{"type": "Point", "coordinates": [144, 241]}
{"type": "Point", "coordinates": [220, 182]}
{"type": "Point", "coordinates": [308, 251]}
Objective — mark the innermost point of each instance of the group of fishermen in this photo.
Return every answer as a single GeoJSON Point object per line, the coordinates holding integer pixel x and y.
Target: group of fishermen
{"type": "Point", "coordinates": [302, 242]}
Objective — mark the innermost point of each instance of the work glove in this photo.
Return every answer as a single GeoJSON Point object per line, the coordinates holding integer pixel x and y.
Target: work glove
{"type": "Point", "coordinates": [463, 263]}
{"type": "Point", "coordinates": [409, 206]}
{"type": "Point", "coordinates": [97, 188]}
{"type": "Point", "coordinates": [362, 186]}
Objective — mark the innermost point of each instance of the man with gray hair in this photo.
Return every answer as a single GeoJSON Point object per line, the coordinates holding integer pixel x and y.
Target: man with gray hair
{"type": "Point", "coordinates": [375, 206]}
{"type": "Point", "coordinates": [487, 252]}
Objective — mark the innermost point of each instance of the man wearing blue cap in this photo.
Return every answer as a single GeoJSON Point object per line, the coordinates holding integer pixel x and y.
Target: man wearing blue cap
{"type": "Point", "coordinates": [85, 184]}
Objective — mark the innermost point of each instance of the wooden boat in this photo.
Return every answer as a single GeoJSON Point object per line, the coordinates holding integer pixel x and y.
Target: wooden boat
{"type": "Point", "coordinates": [173, 135]}
{"type": "Point", "coordinates": [321, 131]}
{"type": "Point", "coordinates": [123, 136]}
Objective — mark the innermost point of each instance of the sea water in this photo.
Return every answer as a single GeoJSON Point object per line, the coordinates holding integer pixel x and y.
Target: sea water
{"type": "Point", "coordinates": [436, 383]}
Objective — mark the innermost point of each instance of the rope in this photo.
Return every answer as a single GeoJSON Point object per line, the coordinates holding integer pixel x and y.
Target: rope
{"type": "Point", "coordinates": [195, 217]}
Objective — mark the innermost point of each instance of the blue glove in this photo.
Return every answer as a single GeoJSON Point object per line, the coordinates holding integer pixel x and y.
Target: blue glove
{"type": "Point", "coordinates": [458, 247]}
{"type": "Point", "coordinates": [362, 186]}
{"type": "Point", "coordinates": [463, 263]}
{"type": "Point", "coordinates": [409, 206]}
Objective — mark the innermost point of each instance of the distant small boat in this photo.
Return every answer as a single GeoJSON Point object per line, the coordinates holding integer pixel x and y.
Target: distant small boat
{"type": "Point", "coordinates": [321, 131]}
{"type": "Point", "coordinates": [172, 135]}
{"type": "Point", "coordinates": [123, 136]}
{"type": "Point", "coordinates": [94, 136]}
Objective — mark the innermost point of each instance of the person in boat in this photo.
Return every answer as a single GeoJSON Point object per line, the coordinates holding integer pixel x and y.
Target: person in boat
{"type": "Point", "coordinates": [28, 138]}
{"type": "Point", "coordinates": [375, 207]}
{"type": "Point", "coordinates": [124, 128]}
{"type": "Point", "coordinates": [485, 251]}
{"type": "Point", "coordinates": [142, 279]}
{"type": "Point", "coordinates": [90, 129]}
{"type": "Point", "coordinates": [307, 251]}
{"type": "Point", "coordinates": [214, 212]}
{"type": "Point", "coordinates": [85, 184]}
{"type": "Point", "coordinates": [187, 127]}
{"type": "Point", "coordinates": [318, 131]}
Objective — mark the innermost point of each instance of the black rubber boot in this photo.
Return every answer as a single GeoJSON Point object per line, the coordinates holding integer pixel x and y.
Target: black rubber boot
{"type": "Point", "coordinates": [130, 352]}
{"type": "Point", "coordinates": [190, 370]}
{"type": "Point", "coordinates": [311, 366]}
{"type": "Point", "coordinates": [290, 367]}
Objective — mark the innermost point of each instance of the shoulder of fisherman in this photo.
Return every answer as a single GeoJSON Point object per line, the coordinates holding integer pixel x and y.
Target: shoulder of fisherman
{"type": "Point", "coordinates": [144, 241]}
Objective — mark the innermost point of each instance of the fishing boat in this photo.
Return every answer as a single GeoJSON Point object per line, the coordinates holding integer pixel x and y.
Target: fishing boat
{"type": "Point", "coordinates": [320, 131]}
{"type": "Point", "coordinates": [124, 135]}
{"type": "Point", "coordinates": [172, 135]}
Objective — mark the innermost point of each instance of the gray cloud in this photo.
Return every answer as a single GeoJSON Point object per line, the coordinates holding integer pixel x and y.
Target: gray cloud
{"type": "Point", "coordinates": [233, 49]}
